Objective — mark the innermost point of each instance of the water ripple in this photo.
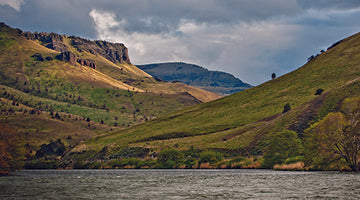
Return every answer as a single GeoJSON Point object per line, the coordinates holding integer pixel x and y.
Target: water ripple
{"type": "Point", "coordinates": [178, 184]}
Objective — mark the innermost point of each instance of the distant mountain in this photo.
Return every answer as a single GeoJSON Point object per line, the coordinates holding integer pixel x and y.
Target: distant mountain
{"type": "Point", "coordinates": [214, 81]}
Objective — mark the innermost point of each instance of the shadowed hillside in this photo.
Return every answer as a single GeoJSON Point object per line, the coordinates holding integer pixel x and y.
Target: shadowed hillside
{"type": "Point", "coordinates": [214, 81]}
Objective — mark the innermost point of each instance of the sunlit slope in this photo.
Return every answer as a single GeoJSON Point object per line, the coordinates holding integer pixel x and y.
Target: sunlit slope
{"type": "Point", "coordinates": [240, 121]}
{"type": "Point", "coordinates": [89, 101]}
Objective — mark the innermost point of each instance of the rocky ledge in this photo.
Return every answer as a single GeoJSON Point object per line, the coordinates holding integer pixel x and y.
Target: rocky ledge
{"type": "Point", "coordinates": [115, 52]}
{"type": "Point", "coordinates": [70, 57]}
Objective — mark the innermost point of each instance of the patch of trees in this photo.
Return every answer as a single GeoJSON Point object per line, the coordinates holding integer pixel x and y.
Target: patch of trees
{"type": "Point", "coordinates": [314, 56]}
{"type": "Point", "coordinates": [335, 140]}
{"type": "Point", "coordinates": [335, 44]}
{"type": "Point", "coordinates": [284, 145]}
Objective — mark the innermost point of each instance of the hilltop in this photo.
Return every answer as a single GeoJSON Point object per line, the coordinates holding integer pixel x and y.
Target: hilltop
{"type": "Point", "coordinates": [214, 81]}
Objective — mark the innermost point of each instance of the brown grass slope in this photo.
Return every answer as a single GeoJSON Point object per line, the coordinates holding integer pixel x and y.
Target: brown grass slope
{"type": "Point", "coordinates": [244, 122]}
{"type": "Point", "coordinates": [131, 95]}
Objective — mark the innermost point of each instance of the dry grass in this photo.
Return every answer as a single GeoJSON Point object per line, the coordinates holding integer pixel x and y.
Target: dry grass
{"type": "Point", "coordinates": [291, 166]}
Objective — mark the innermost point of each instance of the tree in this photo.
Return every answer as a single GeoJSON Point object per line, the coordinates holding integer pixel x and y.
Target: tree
{"type": "Point", "coordinates": [170, 158]}
{"type": "Point", "coordinates": [287, 108]}
{"type": "Point", "coordinates": [351, 108]}
{"type": "Point", "coordinates": [319, 91]}
{"type": "Point", "coordinates": [57, 116]}
{"type": "Point", "coordinates": [273, 75]}
{"type": "Point", "coordinates": [311, 58]}
{"type": "Point", "coordinates": [337, 137]}
{"type": "Point", "coordinates": [283, 145]}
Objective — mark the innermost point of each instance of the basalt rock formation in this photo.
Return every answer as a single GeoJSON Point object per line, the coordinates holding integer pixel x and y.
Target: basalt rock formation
{"type": "Point", "coordinates": [115, 52]}
{"type": "Point", "coordinates": [67, 56]}
{"type": "Point", "coordinates": [70, 57]}
{"type": "Point", "coordinates": [87, 62]}
{"type": "Point", "coordinates": [50, 40]}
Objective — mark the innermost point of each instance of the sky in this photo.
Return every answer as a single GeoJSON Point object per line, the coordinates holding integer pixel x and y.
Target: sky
{"type": "Point", "coordinates": [250, 39]}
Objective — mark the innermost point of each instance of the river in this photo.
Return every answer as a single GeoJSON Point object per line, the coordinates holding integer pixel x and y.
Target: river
{"type": "Point", "coordinates": [178, 184]}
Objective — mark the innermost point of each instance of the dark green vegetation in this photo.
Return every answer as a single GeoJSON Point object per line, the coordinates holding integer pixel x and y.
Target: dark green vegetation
{"type": "Point", "coordinates": [307, 119]}
{"type": "Point", "coordinates": [214, 81]}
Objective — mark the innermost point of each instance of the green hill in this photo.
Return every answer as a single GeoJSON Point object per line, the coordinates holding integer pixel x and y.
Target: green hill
{"type": "Point", "coordinates": [59, 87]}
{"type": "Point", "coordinates": [214, 81]}
{"type": "Point", "coordinates": [107, 113]}
{"type": "Point", "coordinates": [245, 123]}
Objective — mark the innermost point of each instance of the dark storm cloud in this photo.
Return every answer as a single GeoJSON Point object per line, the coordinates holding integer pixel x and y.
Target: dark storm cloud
{"type": "Point", "coordinates": [329, 4]}
{"type": "Point", "coordinates": [248, 38]}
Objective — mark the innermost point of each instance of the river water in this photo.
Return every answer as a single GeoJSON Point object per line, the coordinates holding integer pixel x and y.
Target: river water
{"type": "Point", "coordinates": [178, 184]}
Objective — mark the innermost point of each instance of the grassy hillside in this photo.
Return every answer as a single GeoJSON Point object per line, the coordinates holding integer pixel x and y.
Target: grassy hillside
{"type": "Point", "coordinates": [44, 98]}
{"type": "Point", "coordinates": [244, 123]}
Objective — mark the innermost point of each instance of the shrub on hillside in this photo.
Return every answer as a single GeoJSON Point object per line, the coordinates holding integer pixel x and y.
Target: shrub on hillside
{"type": "Point", "coordinates": [287, 108]}
{"type": "Point", "coordinates": [210, 157]}
{"type": "Point", "coordinates": [319, 91]}
{"type": "Point", "coordinates": [170, 159]}
{"type": "Point", "coordinates": [282, 146]}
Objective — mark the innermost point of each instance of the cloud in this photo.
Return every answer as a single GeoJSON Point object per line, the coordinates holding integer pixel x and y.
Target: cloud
{"type": "Point", "coordinates": [15, 4]}
{"type": "Point", "coordinates": [241, 48]}
{"type": "Point", "coordinates": [248, 38]}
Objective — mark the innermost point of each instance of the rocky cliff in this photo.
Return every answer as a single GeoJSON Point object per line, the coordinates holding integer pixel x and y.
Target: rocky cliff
{"type": "Point", "coordinates": [50, 40]}
{"type": "Point", "coordinates": [115, 52]}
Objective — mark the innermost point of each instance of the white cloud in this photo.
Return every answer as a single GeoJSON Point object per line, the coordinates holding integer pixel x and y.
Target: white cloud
{"type": "Point", "coordinates": [15, 4]}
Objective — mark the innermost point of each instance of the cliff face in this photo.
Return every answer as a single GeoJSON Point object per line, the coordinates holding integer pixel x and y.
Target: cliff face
{"type": "Point", "coordinates": [115, 52]}
{"type": "Point", "coordinates": [70, 57]}
{"type": "Point", "coordinates": [50, 40]}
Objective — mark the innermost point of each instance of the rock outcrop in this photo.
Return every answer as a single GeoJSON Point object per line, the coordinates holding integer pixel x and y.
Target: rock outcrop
{"type": "Point", "coordinates": [67, 56]}
{"type": "Point", "coordinates": [87, 62]}
{"type": "Point", "coordinates": [71, 58]}
{"type": "Point", "coordinates": [115, 52]}
{"type": "Point", "coordinates": [50, 40]}
{"type": "Point", "coordinates": [38, 57]}
{"type": "Point", "coordinates": [56, 148]}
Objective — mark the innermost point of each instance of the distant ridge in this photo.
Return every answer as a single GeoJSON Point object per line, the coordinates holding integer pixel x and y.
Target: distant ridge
{"type": "Point", "coordinates": [215, 81]}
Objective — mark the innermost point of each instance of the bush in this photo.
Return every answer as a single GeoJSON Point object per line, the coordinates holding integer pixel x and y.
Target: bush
{"type": "Point", "coordinates": [79, 164]}
{"type": "Point", "coordinates": [190, 163]}
{"type": "Point", "coordinates": [210, 157]}
{"type": "Point", "coordinates": [42, 164]}
{"type": "Point", "coordinates": [170, 159]}
{"type": "Point", "coordinates": [93, 165]}
{"type": "Point", "coordinates": [132, 162]}
{"type": "Point", "coordinates": [287, 108]}
{"type": "Point", "coordinates": [283, 145]}
{"type": "Point", "coordinates": [319, 91]}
